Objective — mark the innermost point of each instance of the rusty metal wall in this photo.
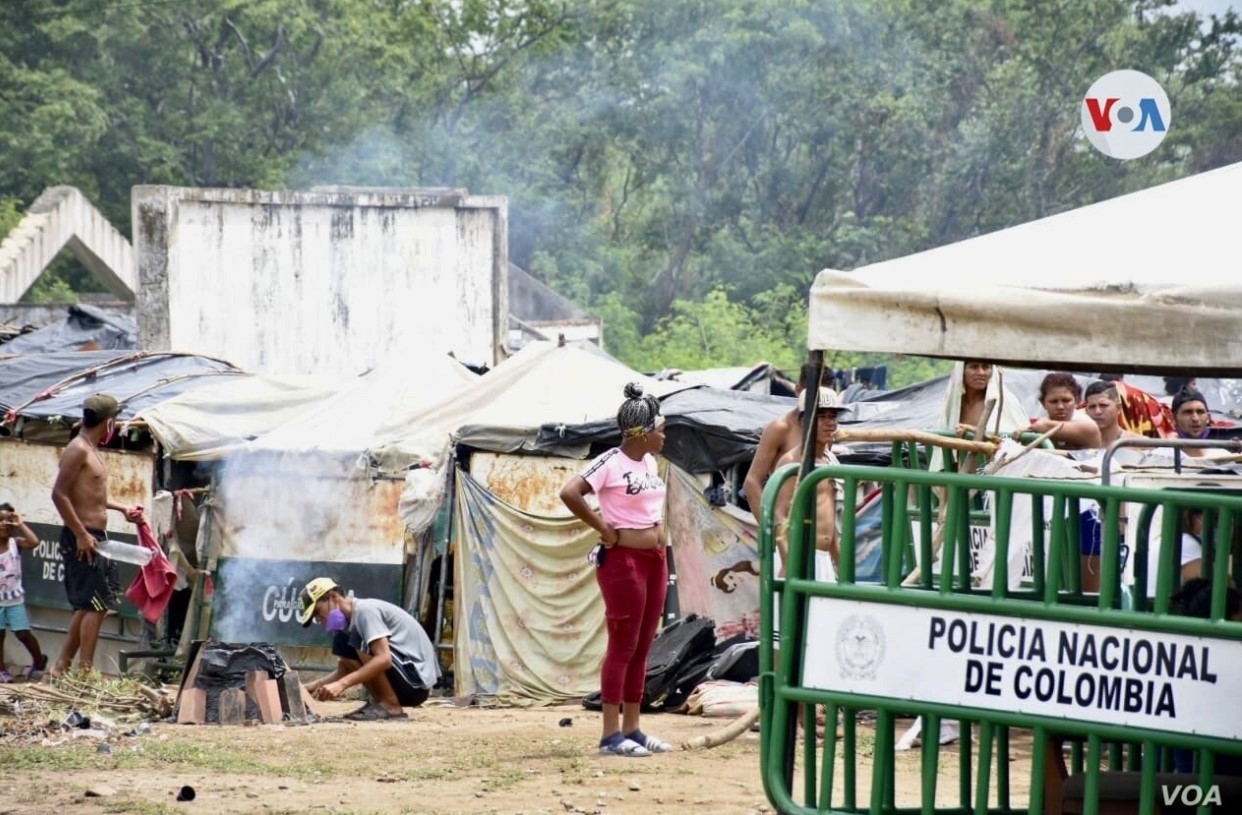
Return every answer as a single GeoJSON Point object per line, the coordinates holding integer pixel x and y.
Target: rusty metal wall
{"type": "Point", "coordinates": [344, 520]}
{"type": "Point", "coordinates": [529, 483]}
{"type": "Point", "coordinates": [327, 283]}
{"type": "Point", "coordinates": [27, 473]}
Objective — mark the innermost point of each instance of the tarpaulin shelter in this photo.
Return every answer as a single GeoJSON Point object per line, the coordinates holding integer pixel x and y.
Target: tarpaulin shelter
{"type": "Point", "coordinates": [207, 423]}
{"type": "Point", "coordinates": [84, 327]}
{"type": "Point", "coordinates": [315, 497]}
{"type": "Point", "coordinates": [543, 384]}
{"type": "Point", "coordinates": [41, 399]}
{"type": "Point", "coordinates": [41, 395]}
{"type": "Point", "coordinates": [706, 429]}
{"type": "Point", "coordinates": [1146, 282]}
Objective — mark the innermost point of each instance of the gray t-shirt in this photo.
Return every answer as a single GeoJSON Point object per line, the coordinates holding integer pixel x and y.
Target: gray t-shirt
{"type": "Point", "coordinates": [412, 652]}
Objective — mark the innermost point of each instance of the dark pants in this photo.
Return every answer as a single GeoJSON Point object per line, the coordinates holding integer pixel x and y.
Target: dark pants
{"type": "Point", "coordinates": [409, 694]}
{"type": "Point", "coordinates": [633, 582]}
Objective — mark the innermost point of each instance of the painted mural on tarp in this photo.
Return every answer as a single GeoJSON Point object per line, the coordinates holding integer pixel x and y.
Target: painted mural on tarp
{"type": "Point", "coordinates": [529, 625]}
{"type": "Point", "coordinates": [716, 554]}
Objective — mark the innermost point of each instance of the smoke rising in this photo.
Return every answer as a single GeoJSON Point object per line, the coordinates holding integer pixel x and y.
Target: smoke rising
{"type": "Point", "coordinates": [283, 518]}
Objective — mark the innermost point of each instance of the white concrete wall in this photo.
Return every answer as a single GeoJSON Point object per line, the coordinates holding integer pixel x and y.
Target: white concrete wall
{"type": "Point", "coordinates": [320, 282]}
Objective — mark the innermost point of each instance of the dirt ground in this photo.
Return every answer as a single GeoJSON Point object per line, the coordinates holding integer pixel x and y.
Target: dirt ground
{"type": "Point", "coordinates": [443, 760]}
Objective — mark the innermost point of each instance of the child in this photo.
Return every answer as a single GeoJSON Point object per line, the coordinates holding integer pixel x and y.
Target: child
{"type": "Point", "coordinates": [15, 536]}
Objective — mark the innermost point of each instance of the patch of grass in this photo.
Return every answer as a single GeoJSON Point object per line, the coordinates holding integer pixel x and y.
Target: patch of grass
{"type": "Point", "coordinates": [46, 758]}
{"type": "Point", "coordinates": [507, 778]}
{"type": "Point", "coordinates": [427, 773]}
{"type": "Point", "coordinates": [480, 760]}
{"type": "Point", "coordinates": [217, 759]}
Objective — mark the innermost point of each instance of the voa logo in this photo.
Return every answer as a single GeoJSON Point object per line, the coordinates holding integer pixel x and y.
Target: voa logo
{"type": "Point", "coordinates": [1191, 795]}
{"type": "Point", "coordinates": [1126, 114]}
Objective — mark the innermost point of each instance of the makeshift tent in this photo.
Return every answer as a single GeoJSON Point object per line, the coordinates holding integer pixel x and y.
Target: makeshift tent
{"type": "Point", "coordinates": [207, 423]}
{"type": "Point", "coordinates": [84, 328]}
{"type": "Point", "coordinates": [314, 497]}
{"type": "Point", "coordinates": [706, 429]}
{"type": "Point", "coordinates": [761, 378]}
{"type": "Point", "coordinates": [357, 425]}
{"type": "Point", "coordinates": [530, 621]}
{"type": "Point", "coordinates": [1147, 282]}
{"type": "Point", "coordinates": [543, 384]}
{"type": "Point", "coordinates": [41, 395]}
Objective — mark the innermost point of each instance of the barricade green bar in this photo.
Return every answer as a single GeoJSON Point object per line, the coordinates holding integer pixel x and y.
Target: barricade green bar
{"type": "Point", "coordinates": [1147, 789]}
{"type": "Point", "coordinates": [956, 658]}
{"type": "Point", "coordinates": [1222, 541]}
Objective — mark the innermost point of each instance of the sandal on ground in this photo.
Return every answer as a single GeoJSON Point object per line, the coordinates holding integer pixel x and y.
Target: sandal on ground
{"type": "Point", "coordinates": [33, 673]}
{"type": "Point", "coordinates": [652, 743]}
{"type": "Point", "coordinates": [624, 747]}
{"type": "Point", "coordinates": [373, 713]}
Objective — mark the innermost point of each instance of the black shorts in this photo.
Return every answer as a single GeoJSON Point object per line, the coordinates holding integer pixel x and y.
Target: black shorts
{"type": "Point", "coordinates": [408, 693]}
{"type": "Point", "coordinates": [88, 586]}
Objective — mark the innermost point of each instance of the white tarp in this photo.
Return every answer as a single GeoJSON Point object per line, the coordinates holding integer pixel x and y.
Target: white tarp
{"type": "Point", "coordinates": [206, 423]}
{"type": "Point", "coordinates": [364, 416]}
{"type": "Point", "coordinates": [1148, 281]}
{"type": "Point", "coordinates": [503, 410]}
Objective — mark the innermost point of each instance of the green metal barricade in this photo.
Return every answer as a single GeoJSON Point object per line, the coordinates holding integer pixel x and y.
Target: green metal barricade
{"type": "Point", "coordinates": [1038, 663]}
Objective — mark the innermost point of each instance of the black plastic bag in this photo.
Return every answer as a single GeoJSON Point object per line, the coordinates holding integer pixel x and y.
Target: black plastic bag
{"type": "Point", "coordinates": [225, 665]}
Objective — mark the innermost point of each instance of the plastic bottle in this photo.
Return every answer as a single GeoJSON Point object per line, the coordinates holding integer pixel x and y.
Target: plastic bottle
{"type": "Point", "coordinates": [125, 552]}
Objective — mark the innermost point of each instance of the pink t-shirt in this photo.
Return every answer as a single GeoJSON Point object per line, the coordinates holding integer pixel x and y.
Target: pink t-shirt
{"type": "Point", "coordinates": [631, 493]}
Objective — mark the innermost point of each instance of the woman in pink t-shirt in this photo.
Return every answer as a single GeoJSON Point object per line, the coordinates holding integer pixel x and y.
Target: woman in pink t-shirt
{"type": "Point", "coordinates": [632, 570]}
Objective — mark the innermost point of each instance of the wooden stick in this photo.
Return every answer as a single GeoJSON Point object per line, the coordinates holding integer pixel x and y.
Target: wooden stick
{"type": "Point", "coordinates": [986, 448]}
{"type": "Point", "coordinates": [724, 734]}
{"type": "Point", "coordinates": [996, 464]}
{"type": "Point", "coordinates": [962, 467]}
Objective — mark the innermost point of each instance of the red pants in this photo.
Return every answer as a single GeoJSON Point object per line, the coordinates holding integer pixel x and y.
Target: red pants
{"type": "Point", "coordinates": [633, 582]}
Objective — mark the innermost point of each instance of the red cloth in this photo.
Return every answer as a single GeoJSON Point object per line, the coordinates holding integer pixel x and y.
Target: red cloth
{"type": "Point", "coordinates": [153, 587]}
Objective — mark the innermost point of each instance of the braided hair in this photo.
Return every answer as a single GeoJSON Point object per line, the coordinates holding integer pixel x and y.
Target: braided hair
{"type": "Point", "coordinates": [638, 413]}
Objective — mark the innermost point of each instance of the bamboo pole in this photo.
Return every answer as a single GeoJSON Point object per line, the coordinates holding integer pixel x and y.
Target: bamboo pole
{"type": "Point", "coordinates": [725, 734]}
{"type": "Point", "coordinates": [985, 448]}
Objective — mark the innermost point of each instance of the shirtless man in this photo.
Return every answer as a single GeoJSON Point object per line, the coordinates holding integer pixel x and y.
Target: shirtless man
{"type": "Point", "coordinates": [81, 497]}
{"type": "Point", "coordinates": [829, 497]}
{"type": "Point", "coordinates": [782, 435]}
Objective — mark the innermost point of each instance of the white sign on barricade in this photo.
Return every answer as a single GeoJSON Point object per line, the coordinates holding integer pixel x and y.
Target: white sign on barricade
{"type": "Point", "coordinates": [1094, 673]}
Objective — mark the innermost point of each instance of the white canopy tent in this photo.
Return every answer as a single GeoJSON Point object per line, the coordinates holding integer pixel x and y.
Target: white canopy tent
{"type": "Point", "coordinates": [1146, 282]}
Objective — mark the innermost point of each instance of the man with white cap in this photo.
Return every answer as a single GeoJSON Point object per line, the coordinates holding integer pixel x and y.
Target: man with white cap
{"type": "Point", "coordinates": [378, 645]}
{"type": "Point", "coordinates": [830, 497]}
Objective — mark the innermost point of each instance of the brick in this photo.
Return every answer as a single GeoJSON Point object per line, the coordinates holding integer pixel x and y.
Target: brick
{"type": "Point", "coordinates": [265, 693]}
{"type": "Point", "coordinates": [192, 706]}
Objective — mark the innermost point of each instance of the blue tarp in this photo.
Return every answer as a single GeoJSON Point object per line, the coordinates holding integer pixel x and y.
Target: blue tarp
{"type": "Point", "coordinates": [136, 380]}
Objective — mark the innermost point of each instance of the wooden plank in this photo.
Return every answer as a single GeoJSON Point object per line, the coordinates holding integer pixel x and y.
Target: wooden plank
{"type": "Point", "coordinates": [265, 693]}
{"type": "Point", "coordinates": [192, 706]}
{"type": "Point", "coordinates": [232, 706]}
{"type": "Point", "coordinates": [291, 695]}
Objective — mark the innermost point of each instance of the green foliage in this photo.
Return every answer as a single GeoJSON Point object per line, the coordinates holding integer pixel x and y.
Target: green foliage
{"type": "Point", "coordinates": [683, 169]}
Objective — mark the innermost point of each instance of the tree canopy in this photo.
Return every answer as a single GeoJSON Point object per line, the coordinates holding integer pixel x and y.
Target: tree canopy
{"type": "Point", "coordinates": [680, 169]}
